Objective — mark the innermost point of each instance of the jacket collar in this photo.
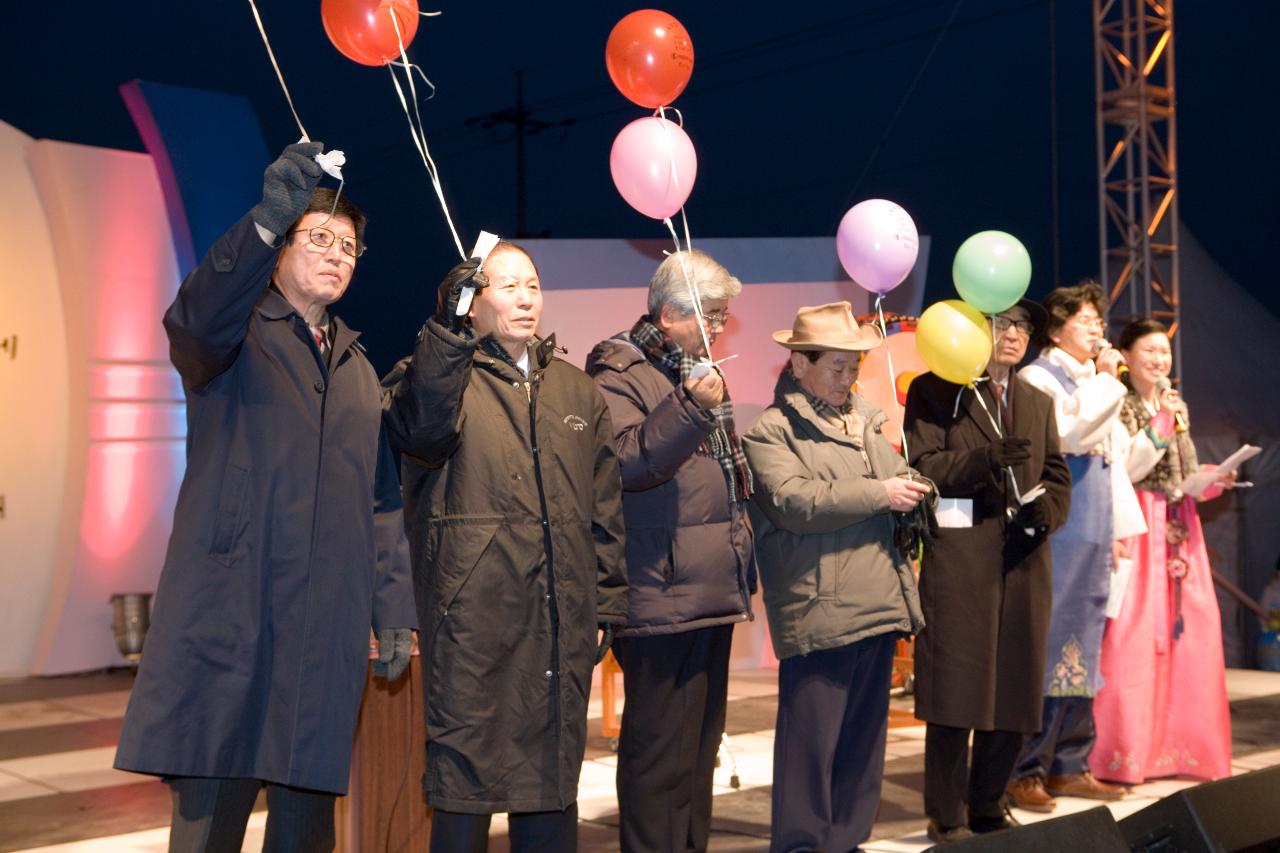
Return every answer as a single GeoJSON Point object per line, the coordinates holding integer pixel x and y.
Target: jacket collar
{"type": "Point", "coordinates": [788, 394]}
{"type": "Point", "coordinates": [541, 353]}
{"type": "Point", "coordinates": [618, 353]}
{"type": "Point", "coordinates": [273, 306]}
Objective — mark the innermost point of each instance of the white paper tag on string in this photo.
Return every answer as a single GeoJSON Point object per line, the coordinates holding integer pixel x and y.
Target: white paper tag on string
{"type": "Point", "coordinates": [332, 163]}
{"type": "Point", "coordinates": [703, 367]}
{"type": "Point", "coordinates": [484, 245]}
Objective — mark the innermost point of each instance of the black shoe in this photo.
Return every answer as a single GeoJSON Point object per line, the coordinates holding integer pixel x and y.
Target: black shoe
{"type": "Point", "coordinates": [938, 835]}
{"type": "Point", "coordinates": [983, 825]}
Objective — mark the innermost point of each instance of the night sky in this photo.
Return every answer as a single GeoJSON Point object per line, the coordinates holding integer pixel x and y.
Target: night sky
{"type": "Point", "coordinates": [791, 109]}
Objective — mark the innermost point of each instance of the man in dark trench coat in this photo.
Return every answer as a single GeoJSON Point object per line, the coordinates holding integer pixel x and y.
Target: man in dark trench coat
{"type": "Point", "coordinates": [514, 508]}
{"type": "Point", "coordinates": [986, 581]}
{"type": "Point", "coordinates": [288, 543]}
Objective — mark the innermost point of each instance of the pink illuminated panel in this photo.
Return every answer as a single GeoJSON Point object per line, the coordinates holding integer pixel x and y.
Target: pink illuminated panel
{"type": "Point", "coordinates": [117, 272]}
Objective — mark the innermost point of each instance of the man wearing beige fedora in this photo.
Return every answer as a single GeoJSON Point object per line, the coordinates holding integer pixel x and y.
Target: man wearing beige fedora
{"type": "Point", "coordinates": [837, 592]}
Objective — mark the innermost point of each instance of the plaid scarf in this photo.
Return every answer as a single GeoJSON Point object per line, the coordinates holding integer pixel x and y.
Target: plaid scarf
{"type": "Point", "coordinates": [845, 418]}
{"type": "Point", "coordinates": [723, 443]}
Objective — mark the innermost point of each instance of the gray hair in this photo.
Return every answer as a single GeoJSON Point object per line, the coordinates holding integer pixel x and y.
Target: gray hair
{"type": "Point", "coordinates": [668, 287]}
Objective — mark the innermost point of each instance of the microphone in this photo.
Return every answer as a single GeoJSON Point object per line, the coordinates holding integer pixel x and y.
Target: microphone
{"type": "Point", "coordinates": [1122, 369]}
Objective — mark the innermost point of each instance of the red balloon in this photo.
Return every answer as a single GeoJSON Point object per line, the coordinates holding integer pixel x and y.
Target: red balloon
{"type": "Point", "coordinates": [362, 29]}
{"type": "Point", "coordinates": [649, 57]}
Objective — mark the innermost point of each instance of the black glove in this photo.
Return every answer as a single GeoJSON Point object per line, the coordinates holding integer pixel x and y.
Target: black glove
{"type": "Point", "coordinates": [394, 645]}
{"type": "Point", "coordinates": [467, 273]}
{"type": "Point", "coordinates": [915, 529]}
{"type": "Point", "coordinates": [287, 186]}
{"type": "Point", "coordinates": [1032, 516]}
{"type": "Point", "coordinates": [1008, 451]}
{"type": "Point", "coordinates": [606, 640]}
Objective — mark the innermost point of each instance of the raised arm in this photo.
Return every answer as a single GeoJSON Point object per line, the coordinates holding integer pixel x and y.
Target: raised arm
{"type": "Point", "coordinates": [209, 319]}
{"type": "Point", "coordinates": [652, 445]}
{"type": "Point", "coordinates": [422, 395]}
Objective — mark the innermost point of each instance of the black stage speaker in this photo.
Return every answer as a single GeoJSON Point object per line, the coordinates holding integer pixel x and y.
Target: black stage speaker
{"type": "Point", "coordinates": [1094, 831]}
{"type": "Point", "coordinates": [1236, 815]}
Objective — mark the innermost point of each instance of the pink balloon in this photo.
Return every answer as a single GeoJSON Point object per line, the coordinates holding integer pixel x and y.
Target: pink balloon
{"type": "Point", "coordinates": [653, 166]}
{"type": "Point", "coordinates": [877, 243]}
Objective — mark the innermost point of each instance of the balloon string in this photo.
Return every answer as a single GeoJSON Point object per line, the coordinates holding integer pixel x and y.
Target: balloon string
{"type": "Point", "coordinates": [693, 291]}
{"type": "Point", "coordinates": [416, 67]}
{"type": "Point", "coordinates": [893, 378]}
{"type": "Point", "coordinates": [419, 134]}
{"type": "Point", "coordinates": [661, 112]}
{"type": "Point", "coordinates": [279, 76]}
{"type": "Point", "coordinates": [671, 154]}
{"type": "Point", "coordinates": [684, 221]}
{"type": "Point", "coordinates": [342, 182]}
{"type": "Point", "coordinates": [694, 297]}
{"type": "Point", "coordinates": [995, 425]}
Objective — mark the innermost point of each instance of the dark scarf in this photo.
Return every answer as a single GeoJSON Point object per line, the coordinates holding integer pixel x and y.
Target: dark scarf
{"type": "Point", "coordinates": [723, 443]}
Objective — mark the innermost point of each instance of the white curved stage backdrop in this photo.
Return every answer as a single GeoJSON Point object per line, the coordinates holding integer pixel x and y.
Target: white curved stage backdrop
{"type": "Point", "coordinates": [93, 418]}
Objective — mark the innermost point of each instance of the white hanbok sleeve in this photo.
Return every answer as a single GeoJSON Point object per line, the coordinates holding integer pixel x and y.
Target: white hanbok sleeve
{"type": "Point", "coordinates": [1127, 517]}
{"type": "Point", "coordinates": [1143, 456]}
{"type": "Point", "coordinates": [1084, 417]}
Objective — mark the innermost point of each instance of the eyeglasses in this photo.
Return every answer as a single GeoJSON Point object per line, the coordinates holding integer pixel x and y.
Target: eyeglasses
{"type": "Point", "coordinates": [1002, 324]}
{"type": "Point", "coordinates": [323, 237]}
{"type": "Point", "coordinates": [715, 319]}
{"type": "Point", "coordinates": [1090, 322]}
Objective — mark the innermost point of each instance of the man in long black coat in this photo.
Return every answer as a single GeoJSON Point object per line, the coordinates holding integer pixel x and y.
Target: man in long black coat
{"type": "Point", "coordinates": [514, 507]}
{"type": "Point", "coordinates": [985, 582]}
{"type": "Point", "coordinates": [288, 542]}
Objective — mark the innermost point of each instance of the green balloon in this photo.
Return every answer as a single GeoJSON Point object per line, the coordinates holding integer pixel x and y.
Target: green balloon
{"type": "Point", "coordinates": [992, 271]}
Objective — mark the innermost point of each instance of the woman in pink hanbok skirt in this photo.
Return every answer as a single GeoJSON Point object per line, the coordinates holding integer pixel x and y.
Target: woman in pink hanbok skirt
{"type": "Point", "coordinates": [1162, 710]}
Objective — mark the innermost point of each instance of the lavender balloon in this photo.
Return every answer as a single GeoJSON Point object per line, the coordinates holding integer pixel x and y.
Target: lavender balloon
{"type": "Point", "coordinates": [877, 243]}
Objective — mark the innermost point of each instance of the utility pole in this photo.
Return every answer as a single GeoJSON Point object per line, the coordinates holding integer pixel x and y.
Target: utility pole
{"type": "Point", "coordinates": [523, 125]}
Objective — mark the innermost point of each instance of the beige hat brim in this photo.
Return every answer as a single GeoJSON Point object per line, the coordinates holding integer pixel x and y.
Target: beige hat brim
{"type": "Point", "coordinates": [858, 343]}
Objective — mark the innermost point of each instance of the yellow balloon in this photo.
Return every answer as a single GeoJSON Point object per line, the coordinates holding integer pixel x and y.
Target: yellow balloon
{"type": "Point", "coordinates": [954, 340]}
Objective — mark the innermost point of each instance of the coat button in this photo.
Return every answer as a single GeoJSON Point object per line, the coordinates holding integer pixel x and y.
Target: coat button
{"type": "Point", "coordinates": [547, 673]}
{"type": "Point", "coordinates": [319, 386]}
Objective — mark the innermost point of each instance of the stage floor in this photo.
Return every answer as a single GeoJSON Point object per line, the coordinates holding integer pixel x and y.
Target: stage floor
{"type": "Point", "coordinates": [58, 793]}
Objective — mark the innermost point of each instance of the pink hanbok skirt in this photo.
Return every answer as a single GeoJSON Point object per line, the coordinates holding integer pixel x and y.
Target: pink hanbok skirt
{"type": "Point", "coordinates": [1162, 710]}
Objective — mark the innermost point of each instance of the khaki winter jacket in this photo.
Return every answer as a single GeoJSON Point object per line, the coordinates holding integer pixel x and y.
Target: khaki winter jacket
{"type": "Point", "coordinates": [824, 531]}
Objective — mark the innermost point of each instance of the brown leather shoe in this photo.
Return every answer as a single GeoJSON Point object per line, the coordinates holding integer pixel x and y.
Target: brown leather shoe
{"type": "Point", "coordinates": [1029, 793]}
{"type": "Point", "coordinates": [1083, 785]}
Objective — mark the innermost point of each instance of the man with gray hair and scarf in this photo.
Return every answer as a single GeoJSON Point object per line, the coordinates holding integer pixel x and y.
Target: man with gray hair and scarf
{"type": "Point", "coordinates": [690, 557]}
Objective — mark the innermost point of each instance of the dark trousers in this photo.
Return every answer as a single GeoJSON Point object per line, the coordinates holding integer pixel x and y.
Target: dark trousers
{"type": "Point", "coordinates": [828, 753]}
{"type": "Point", "coordinates": [209, 816]}
{"type": "Point", "coordinates": [531, 832]}
{"type": "Point", "coordinates": [676, 687]}
{"type": "Point", "coordinates": [1066, 736]}
{"type": "Point", "coordinates": [951, 779]}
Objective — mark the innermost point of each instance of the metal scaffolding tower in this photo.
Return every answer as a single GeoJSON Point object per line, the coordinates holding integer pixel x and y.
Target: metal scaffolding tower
{"type": "Point", "coordinates": [1137, 165]}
